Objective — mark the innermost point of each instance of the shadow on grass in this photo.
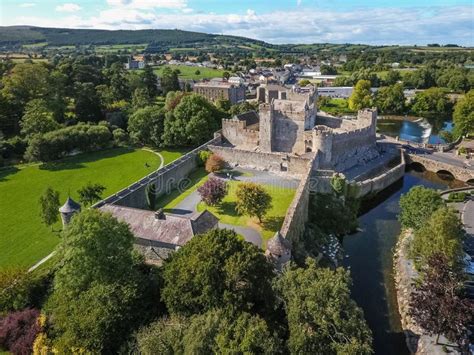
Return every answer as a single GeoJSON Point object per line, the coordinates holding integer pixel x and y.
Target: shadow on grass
{"type": "Point", "coordinates": [273, 223]}
{"type": "Point", "coordinates": [78, 161]}
{"type": "Point", "coordinates": [228, 209]}
{"type": "Point", "coordinates": [4, 173]}
{"type": "Point", "coordinates": [232, 172]}
{"type": "Point", "coordinates": [178, 211]}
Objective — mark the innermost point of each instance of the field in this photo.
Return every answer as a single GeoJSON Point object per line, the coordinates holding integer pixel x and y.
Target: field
{"type": "Point", "coordinates": [190, 72]}
{"type": "Point", "coordinates": [336, 106]}
{"type": "Point", "coordinates": [24, 239]}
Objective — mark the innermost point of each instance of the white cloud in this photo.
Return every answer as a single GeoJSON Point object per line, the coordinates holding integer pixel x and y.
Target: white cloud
{"type": "Point", "coordinates": [413, 25]}
{"type": "Point", "coordinates": [68, 7]}
{"type": "Point", "coordinates": [149, 4]}
{"type": "Point", "coordinates": [28, 4]}
{"type": "Point", "coordinates": [298, 2]}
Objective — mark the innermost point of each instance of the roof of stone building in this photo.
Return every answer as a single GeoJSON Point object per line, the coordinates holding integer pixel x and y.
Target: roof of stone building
{"type": "Point", "coordinates": [70, 206]}
{"type": "Point", "coordinates": [169, 228]}
{"type": "Point", "coordinates": [289, 105]}
{"type": "Point", "coordinates": [278, 245]}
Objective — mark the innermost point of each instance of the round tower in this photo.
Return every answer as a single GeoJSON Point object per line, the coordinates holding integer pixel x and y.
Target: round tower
{"type": "Point", "coordinates": [322, 144]}
{"type": "Point", "coordinates": [279, 250]}
{"type": "Point", "coordinates": [67, 210]}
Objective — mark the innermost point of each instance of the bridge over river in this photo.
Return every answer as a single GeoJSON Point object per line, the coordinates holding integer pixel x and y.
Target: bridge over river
{"type": "Point", "coordinates": [443, 163]}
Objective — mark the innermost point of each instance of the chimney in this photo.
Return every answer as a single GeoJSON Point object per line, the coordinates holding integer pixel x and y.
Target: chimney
{"type": "Point", "coordinates": [159, 214]}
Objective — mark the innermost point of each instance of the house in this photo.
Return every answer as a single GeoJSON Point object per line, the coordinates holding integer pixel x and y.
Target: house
{"type": "Point", "coordinates": [217, 89]}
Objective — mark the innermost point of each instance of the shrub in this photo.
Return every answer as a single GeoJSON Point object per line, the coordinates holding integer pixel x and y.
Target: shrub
{"type": "Point", "coordinates": [213, 191]}
{"type": "Point", "coordinates": [120, 137]}
{"type": "Point", "coordinates": [202, 157]}
{"type": "Point", "coordinates": [57, 144]}
{"type": "Point", "coordinates": [18, 331]}
{"type": "Point", "coordinates": [214, 163]}
{"type": "Point", "coordinates": [457, 196]}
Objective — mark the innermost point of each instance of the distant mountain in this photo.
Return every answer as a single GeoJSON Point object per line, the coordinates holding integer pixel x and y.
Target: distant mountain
{"type": "Point", "coordinates": [19, 35]}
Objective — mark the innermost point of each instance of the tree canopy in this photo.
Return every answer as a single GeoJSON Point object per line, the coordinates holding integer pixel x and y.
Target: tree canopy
{"type": "Point", "coordinates": [417, 205]}
{"type": "Point", "coordinates": [361, 96]}
{"type": "Point", "coordinates": [463, 115]}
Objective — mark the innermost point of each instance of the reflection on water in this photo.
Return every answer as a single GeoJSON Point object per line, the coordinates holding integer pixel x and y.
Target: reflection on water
{"type": "Point", "coordinates": [370, 256]}
{"type": "Point", "coordinates": [420, 130]}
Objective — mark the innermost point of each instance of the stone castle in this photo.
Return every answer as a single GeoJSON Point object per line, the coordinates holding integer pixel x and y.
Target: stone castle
{"type": "Point", "coordinates": [287, 122]}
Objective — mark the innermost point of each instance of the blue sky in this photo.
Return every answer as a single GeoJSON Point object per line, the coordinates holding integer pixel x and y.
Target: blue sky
{"type": "Point", "coordinates": [275, 21]}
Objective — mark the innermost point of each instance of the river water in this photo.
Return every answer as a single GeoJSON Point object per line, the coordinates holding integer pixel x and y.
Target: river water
{"type": "Point", "coordinates": [369, 257]}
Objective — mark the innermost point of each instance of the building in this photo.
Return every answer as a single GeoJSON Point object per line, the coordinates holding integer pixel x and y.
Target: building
{"type": "Point", "coordinates": [133, 64]}
{"type": "Point", "coordinates": [279, 251]}
{"type": "Point", "coordinates": [68, 210]}
{"type": "Point", "coordinates": [220, 90]}
{"type": "Point", "coordinates": [158, 233]}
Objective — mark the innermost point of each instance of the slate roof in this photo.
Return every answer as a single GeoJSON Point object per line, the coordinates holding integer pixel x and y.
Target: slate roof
{"type": "Point", "coordinates": [278, 245]}
{"type": "Point", "coordinates": [70, 206]}
{"type": "Point", "coordinates": [171, 229]}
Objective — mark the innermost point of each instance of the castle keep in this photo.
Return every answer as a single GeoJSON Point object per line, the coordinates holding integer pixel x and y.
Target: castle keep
{"type": "Point", "coordinates": [288, 123]}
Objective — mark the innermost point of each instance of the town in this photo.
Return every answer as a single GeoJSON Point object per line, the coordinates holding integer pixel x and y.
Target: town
{"type": "Point", "coordinates": [166, 191]}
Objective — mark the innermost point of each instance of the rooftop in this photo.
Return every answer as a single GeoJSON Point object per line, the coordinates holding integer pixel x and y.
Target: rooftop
{"type": "Point", "coordinates": [165, 227]}
{"type": "Point", "coordinates": [70, 206]}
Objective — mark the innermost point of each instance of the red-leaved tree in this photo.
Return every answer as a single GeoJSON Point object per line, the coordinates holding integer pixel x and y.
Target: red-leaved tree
{"type": "Point", "coordinates": [18, 331]}
{"type": "Point", "coordinates": [213, 191]}
{"type": "Point", "coordinates": [438, 304]}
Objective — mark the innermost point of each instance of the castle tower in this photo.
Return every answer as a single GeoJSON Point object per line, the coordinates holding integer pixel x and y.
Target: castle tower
{"type": "Point", "coordinates": [279, 250]}
{"type": "Point", "coordinates": [322, 144]}
{"type": "Point", "coordinates": [266, 127]}
{"type": "Point", "coordinates": [368, 117]}
{"type": "Point", "coordinates": [69, 209]}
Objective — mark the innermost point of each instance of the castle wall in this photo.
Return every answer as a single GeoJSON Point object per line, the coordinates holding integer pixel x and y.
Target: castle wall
{"type": "Point", "coordinates": [266, 115]}
{"type": "Point", "coordinates": [237, 133]}
{"type": "Point", "coordinates": [164, 179]}
{"type": "Point", "coordinates": [275, 162]}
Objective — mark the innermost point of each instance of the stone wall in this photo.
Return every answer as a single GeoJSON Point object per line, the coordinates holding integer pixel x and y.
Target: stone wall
{"type": "Point", "coordinates": [236, 132]}
{"type": "Point", "coordinates": [297, 214]}
{"type": "Point", "coordinates": [459, 173]}
{"type": "Point", "coordinates": [383, 180]}
{"type": "Point", "coordinates": [275, 162]}
{"type": "Point", "coordinates": [165, 180]}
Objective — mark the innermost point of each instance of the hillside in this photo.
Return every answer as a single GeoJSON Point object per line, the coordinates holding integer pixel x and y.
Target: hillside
{"type": "Point", "coordinates": [21, 35]}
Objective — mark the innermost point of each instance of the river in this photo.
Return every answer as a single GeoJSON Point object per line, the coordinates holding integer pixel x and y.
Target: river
{"type": "Point", "coordinates": [369, 257]}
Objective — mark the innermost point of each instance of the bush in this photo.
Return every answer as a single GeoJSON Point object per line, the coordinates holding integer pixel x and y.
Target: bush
{"type": "Point", "coordinates": [15, 146]}
{"type": "Point", "coordinates": [213, 191]}
{"type": "Point", "coordinates": [57, 144]}
{"type": "Point", "coordinates": [202, 157]}
{"type": "Point", "coordinates": [18, 331]}
{"type": "Point", "coordinates": [214, 163]}
{"type": "Point", "coordinates": [120, 137]}
{"type": "Point", "coordinates": [458, 196]}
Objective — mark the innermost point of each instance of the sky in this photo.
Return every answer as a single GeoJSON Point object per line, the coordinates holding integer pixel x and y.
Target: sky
{"type": "Point", "coordinates": [276, 21]}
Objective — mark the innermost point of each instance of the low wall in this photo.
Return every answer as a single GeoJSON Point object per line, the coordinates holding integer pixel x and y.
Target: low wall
{"type": "Point", "coordinates": [164, 179]}
{"type": "Point", "coordinates": [275, 162]}
{"type": "Point", "coordinates": [297, 214]}
{"type": "Point", "coordinates": [381, 181]}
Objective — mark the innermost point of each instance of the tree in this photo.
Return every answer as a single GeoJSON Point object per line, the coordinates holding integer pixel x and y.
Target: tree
{"type": "Point", "coordinates": [87, 103]}
{"type": "Point", "coordinates": [390, 99]}
{"type": "Point", "coordinates": [49, 205]}
{"type": "Point", "coordinates": [417, 206]}
{"type": "Point", "coordinates": [169, 80]}
{"type": "Point", "coordinates": [117, 78]}
{"type": "Point", "coordinates": [214, 163]}
{"type": "Point", "coordinates": [431, 101]}
{"type": "Point", "coordinates": [18, 331]}
{"type": "Point", "coordinates": [253, 200]}
{"type": "Point", "coordinates": [226, 75]}
{"type": "Point", "coordinates": [197, 72]}
{"type": "Point", "coordinates": [438, 305]}
{"type": "Point", "coordinates": [393, 77]}
{"type": "Point", "coordinates": [441, 234]}
{"type": "Point", "coordinates": [165, 336]}
{"type": "Point", "coordinates": [37, 118]}
{"type": "Point", "coordinates": [361, 96]}
{"type": "Point", "coordinates": [90, 193]}
{"type": "Point", "coordinates": [217, 270]}
{"type": "Point", "coordinates": [146, 125]}
{"type": "Point", "coordinates": [213, 191]}
{"type": "Point", "coordinates": [328, 70]}
{"type": "Point", "coordinates": [97, 289]}
{"type": "Point", "coordinates": [141, 98]}
{"type": "Point", "coordinates": [150, 81]}
{"type": "Point", "coordinates": [463, 115]}
{"type": "Point", "coordinates": [322, 318]}
{"type": "Point", "coordinates": [304, 82]}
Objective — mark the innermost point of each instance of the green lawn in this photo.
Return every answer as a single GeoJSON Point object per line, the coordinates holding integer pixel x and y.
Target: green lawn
{"type": "Point", "coordinates": [23, 238]}
{"type": "Point", "coordinates": [281, 200]}
{"type": "Point", "coordinates": [337, 106]}
{"type": "Point", "coordinates": [190, 72]}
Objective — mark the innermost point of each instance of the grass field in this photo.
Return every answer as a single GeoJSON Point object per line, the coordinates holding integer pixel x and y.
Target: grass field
{"type": "Point", "coordinates": [24, 240]}
{"type": "Point", "coordinates": [336, 106]}
{"type": "Point", "coordinates": [281, 200]}
{"type": "Point", "coordinates": [190, 72]}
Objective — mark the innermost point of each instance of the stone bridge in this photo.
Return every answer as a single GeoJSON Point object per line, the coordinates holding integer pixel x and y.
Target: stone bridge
{"type": "Point", "coordinates": [442, 165]}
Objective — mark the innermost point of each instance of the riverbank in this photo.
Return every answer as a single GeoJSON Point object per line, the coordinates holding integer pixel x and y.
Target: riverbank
{"type": "Point", "coordinates": [418, 342]}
